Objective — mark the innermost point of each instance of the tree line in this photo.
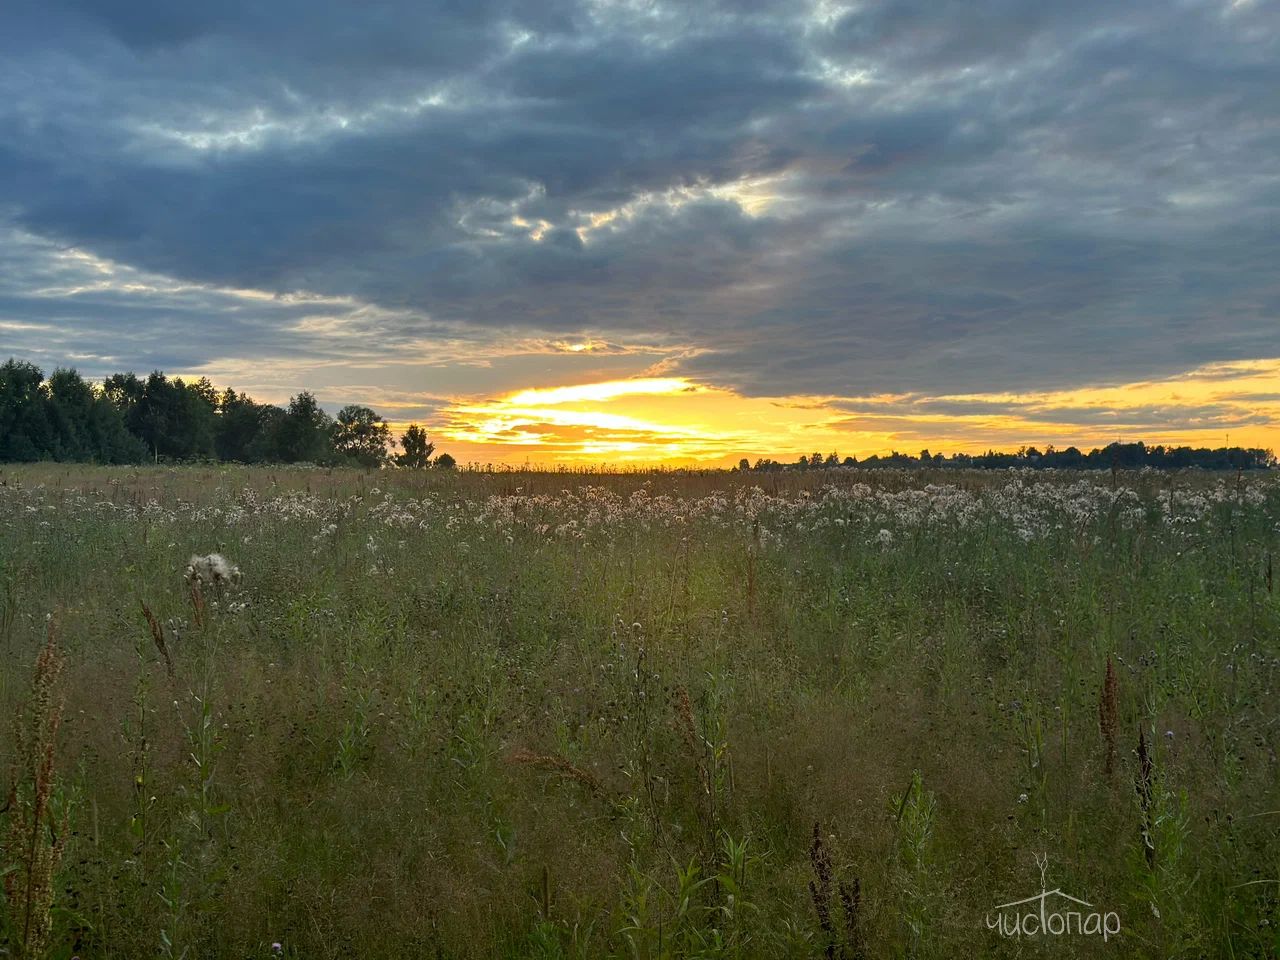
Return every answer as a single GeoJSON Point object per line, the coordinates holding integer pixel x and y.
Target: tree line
{"type": "Point", "coordinates": [1114, 456]}
{"type": "Point", "coordinates": [130, 419]}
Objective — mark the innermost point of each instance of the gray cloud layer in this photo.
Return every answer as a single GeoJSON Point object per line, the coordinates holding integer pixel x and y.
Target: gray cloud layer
{"type": "Point", "coordinates": [952, 196]}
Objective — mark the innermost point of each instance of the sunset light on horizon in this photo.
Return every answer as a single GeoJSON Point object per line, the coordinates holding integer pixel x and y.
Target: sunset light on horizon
{"type": "Point", "coordinates": [675, 421]}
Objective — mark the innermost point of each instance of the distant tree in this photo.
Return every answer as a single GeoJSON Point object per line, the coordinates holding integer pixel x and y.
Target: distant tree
{"type": "Point", "coordinates": [445, 462]}
{"type": "Point", "coordinates": [110, 438]}
{"type": "Point", "coordinates": [197, 419]}
{"type": "Point", "coordinates": [417, 449]}
{"type": "Point", "coordinates": [361, 435]}
{"type": "Point", "coordinates": [850, 462]}
{"type": "Point", "coordinates": [25, 429]}
{"type": "Point", "coordinates": [85, 425]}
{"type": "Point", "coordinates": [744, 465]}
{"type": "Point", "coordinates": [1070, 457]}
{"type": "Point", "coordinates": [124, 391]}
{"type": "Point", "coordinates": [265, 446]}
{"type": "Point", "coordinates": [70, 411]}
{"type": "Point", "coordinates": [241, 426]}
{"type": "Point", "coordinates": [833, 460]}
{"type": "Point", "coordinates": [205, 391]}
{"type": "Point", "coordinates": [302, 434]}
{"type": "Point", "coordinates": [174, 419]}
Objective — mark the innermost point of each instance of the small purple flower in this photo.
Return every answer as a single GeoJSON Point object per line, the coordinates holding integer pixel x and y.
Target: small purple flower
{"type": "Point", "coordinates": [277, 947]}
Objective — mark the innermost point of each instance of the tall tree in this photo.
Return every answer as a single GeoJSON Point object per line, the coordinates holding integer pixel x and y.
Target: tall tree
{"type": "Point", "coordinates": [361, 435]}
{"type": "Point", "coordinates": [25, 429]}
{"type": "Point", "coordinates": [111, 439]}
{"type": "Point", "coordinates": [417, 449]}
{"type": "Point", "coordinates": [302, 434]}
{"type": "Point", "coordinates": [70, 411]}
{"type": "Point", "coordinates": [88, 424]}
{"type": "Point", "coordinates": [241, 425]}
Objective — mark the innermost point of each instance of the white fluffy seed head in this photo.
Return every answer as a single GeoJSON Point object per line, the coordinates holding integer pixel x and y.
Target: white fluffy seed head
{"type": "Point", "coordinates": [213, 569]}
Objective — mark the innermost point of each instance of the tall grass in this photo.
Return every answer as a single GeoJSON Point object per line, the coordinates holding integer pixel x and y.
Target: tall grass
{"type": "Point", "coordinates": [528, 715]}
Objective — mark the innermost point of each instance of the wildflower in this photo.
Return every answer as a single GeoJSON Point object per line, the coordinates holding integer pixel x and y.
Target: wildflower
{"type": "Point", "coordinates": [1023, 798]}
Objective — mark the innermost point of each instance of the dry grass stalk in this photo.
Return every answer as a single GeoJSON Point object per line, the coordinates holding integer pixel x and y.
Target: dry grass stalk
{"type": "Point", "coordinates": [689, 734]}
{"type": "Point", "coordinates": [851, 898]}
{"type": "Point", "coordinates": [558, 765]}
{"type": "Point", "coordinates": [820, 888]}
{"type": "Point", "coordinates": [697, 747]}
{"type": "Point", "coordinates": [820, 892]}
{"type": "Point", "coordinates": [197, 602]}
{"type": "Point", "coordinates": [1109, 716]}
{"type": "Point", "coordinates": [1145, 785]}
{"type": "Point", "coordinates": [157, 634]}
{"type": "Point", "coordinates": [34, 842]}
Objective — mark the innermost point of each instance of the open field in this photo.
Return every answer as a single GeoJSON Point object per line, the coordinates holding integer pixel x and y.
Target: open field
{"type": "Point", "coordinates": [543, 715]}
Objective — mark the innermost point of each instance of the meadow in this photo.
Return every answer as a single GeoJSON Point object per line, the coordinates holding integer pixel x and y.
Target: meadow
{"type": "Point", "coordinates": [836, 713]}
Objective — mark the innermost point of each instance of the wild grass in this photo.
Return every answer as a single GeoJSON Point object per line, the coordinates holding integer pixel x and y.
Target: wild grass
{"type": "Point", "coordinates": [542, 715]}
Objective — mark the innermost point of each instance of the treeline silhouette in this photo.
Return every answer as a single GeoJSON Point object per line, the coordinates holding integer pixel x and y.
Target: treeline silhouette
{"type": "Point", "coordinates": [1114, 456]}
{"type": "Point", "coordinates": [129, 419]}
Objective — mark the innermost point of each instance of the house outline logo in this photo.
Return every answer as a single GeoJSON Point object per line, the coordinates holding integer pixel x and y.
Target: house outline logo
{"type": "Point", "coordinates": [1031, 916]}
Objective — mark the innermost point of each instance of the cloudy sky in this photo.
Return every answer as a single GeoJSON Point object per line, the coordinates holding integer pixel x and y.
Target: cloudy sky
{"type": "Point", "coordinates": [643, 230]}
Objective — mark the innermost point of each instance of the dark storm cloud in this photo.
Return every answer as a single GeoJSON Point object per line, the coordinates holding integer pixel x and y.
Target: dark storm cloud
{"type": "Point", "coordinates": [959, 196]}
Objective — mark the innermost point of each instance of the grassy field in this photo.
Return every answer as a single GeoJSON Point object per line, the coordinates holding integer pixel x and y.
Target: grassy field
{"type": "Point", "coordinates": [821, 714]}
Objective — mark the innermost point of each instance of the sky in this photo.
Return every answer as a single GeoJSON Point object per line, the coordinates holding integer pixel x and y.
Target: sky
{"type": "Point", "coordinates": [644, 231]}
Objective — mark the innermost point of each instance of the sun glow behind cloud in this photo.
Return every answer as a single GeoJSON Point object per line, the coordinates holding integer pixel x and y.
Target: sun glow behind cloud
{"type": "Point", "coordinates": [675, 420]}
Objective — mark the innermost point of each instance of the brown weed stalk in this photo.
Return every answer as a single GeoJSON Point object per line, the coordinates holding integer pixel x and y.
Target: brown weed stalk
{"type": "Point", "coordinates": [197, 602]}
{"type": "Point", "coordinates": [851, 898]}
{"type": "Point", "coordinates": [557, 765]}
{"type": "Point", "coordinates": [696, 746]}
{"type": "Point", "coordinates": [689, 733]}
{"type": "Point", "coordinates": [157, 635]}
{"type": "Point", "coordinates": [821, 886]}
{"type": "Point", "coordinates": [33, 844]}
{"type": "Point", "coordinates": [1109, 717]}
{"type": "Point", "coordinates": [1145, 786]}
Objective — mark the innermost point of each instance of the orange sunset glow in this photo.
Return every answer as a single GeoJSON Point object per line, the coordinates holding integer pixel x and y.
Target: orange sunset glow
{"type": "Point", "coordinates": [675, 421]}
